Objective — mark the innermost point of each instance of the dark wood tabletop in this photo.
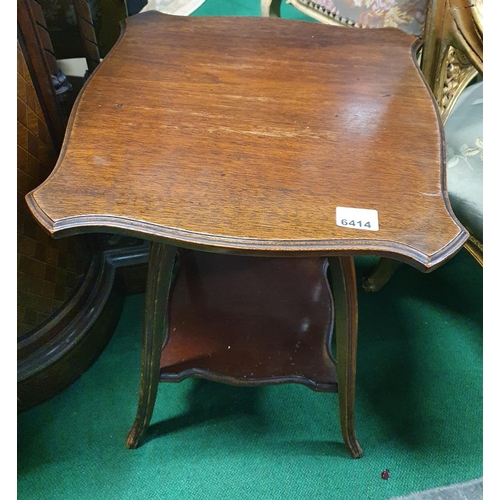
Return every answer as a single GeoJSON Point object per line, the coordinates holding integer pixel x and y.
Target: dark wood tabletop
{"type": "Point", "coordinates": [245, 135]}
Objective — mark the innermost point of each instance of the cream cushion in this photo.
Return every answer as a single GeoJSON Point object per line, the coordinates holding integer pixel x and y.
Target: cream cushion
{"type": "Point", "coordinates": [464, 148]}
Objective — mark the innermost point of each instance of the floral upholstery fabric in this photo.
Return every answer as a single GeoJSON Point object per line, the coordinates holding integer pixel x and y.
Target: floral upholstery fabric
{"type": "Point", "coordinates": [464, 149]}
{"type": "Point", "coordinates": [407, 15]}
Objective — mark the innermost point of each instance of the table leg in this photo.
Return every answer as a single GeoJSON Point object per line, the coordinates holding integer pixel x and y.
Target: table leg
{"type": "Point", "coordinates": [382, 273]}
{"type": "Point", "coordinates": [345, 301]}
{"type": "Point", "coordinates": [161, 264]}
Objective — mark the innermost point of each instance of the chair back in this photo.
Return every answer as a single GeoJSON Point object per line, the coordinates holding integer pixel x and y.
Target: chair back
{"type": "Point", "coordinates": [452, 52]}
{"type": "Point", "coordinates": [406, 15]}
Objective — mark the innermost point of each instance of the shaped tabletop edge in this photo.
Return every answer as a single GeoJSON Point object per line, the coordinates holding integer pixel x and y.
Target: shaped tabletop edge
{"type": "Point", "coordinates": [226, 244]}
{"type": "Point", "coordinates": [247, 246]}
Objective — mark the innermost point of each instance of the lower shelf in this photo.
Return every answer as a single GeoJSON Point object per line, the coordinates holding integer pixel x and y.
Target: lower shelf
{"type": "Point", "coordinates": [250, 321]}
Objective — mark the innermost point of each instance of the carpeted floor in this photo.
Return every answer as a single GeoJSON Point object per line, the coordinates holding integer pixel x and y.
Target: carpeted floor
{"type": "Point", "coordinates": [418, 414]}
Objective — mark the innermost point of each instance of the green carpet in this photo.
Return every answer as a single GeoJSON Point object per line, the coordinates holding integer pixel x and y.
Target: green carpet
{"type": "Point", "coordinates": [418, 413]}
{"type": "Point", "coordinates": [244, 8]}
{"type": "Point", "coordinates": [418, 407]}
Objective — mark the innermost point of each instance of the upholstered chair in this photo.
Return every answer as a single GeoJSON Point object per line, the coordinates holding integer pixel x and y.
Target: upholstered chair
{"type": "Point", "coordinates": [464, 148]}
{"type": "Point", "coordinates": [407, 15]}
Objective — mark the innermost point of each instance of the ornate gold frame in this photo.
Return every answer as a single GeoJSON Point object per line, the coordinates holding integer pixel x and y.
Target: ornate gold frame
{"type": "Point", "coordinates": [453, 49]}
{"type": "Point", "coordinates": [475, 248]}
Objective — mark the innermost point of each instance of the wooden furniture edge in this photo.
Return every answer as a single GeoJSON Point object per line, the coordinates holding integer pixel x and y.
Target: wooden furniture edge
{"type": "Point", "coordinates": [245, 246]}
{"type": "Point", "coordinates": [215, 377]}
{"type": "Point", "coordinates": [214, 243]}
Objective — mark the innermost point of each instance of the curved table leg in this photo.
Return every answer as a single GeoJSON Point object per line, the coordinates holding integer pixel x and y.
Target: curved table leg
{"type": "Point", "coordinates": [270, 8]}
{"type": "Point", "coordinates": [345, 301]}
{"type": "Point", "coordinates": [382, 273]}
{"type": "Point", "coordinates": [161, 264]}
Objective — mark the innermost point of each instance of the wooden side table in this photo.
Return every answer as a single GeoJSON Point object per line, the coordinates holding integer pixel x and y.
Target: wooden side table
{"type": "Point", "coordinates": [303, 143]}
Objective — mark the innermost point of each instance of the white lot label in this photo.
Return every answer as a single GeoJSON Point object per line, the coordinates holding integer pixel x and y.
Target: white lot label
{"type": "Point", "coordinates": [357, 218]}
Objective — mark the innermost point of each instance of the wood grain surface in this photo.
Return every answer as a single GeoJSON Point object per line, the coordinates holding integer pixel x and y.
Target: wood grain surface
{"type": "Point", "coordinates": [250, 321]}
{"type": "Point", "coordinates": [243, 135]}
